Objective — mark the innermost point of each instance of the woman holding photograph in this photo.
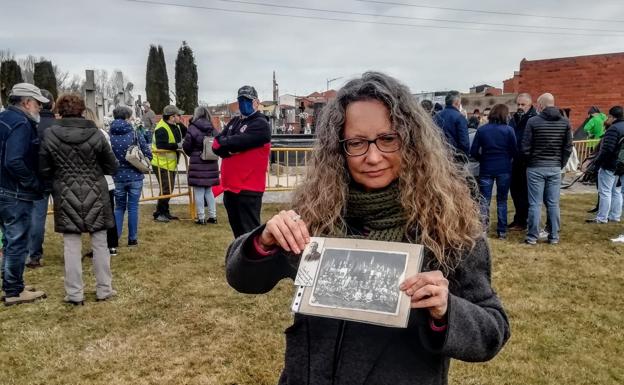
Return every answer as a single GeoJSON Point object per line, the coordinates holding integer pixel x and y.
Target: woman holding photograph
{"type": "Point", "coordinates": [381, 170]}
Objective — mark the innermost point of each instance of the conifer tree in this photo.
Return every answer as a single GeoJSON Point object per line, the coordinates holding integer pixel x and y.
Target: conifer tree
{"type": "Point", "coordinates": [186, 79]}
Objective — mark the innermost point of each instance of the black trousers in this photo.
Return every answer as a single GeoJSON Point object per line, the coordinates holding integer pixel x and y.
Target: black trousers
{"type": "Point", "coordinates": [111, 234]}
{"type": "Point", "coordinates": [520, 193]}
{"type": "Point", "coordinates": [166, 180]}
{"type": "Point", "coordinates": [243, 210]}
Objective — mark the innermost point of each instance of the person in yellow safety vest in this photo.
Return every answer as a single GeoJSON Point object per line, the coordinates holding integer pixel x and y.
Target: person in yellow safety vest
{"type": "Point", "coordinates": [168, 136]}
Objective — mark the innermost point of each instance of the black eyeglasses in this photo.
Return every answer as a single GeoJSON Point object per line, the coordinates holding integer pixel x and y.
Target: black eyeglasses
{"type": "Point", "coordinates": [360, 146]}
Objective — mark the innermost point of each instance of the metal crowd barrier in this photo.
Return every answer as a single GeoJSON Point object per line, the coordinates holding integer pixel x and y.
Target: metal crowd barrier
{"type": "Point", "coordinates": [286, 167]}
{"type": "Point", "coordinates": [179, 187]}
{"type": "Point", "coordinates": [584, 148]}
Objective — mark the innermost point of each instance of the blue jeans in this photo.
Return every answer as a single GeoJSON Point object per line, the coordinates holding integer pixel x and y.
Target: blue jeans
{"type": "Point", "coordinates": [204, 195]}
{"type": "Point", "coordinates": [37, 229]}
{"type": "Point", "coordinates": [544, 184]}
{"type": "Point", "coordinates": [486, 184]}
{"type": "Point", "coordinates": [610, 206]}
{"type": "Point", "coordinates": [15, 219]}
{"type": "Point", "coordinates": [127, 195]}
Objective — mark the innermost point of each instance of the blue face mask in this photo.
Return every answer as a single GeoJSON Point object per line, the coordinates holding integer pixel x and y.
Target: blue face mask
{"type": "Point", "coordinates": [245, 106]}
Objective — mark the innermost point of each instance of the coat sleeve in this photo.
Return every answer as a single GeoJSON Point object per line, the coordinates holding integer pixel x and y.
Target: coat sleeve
{"type": "Point", "coordinates": [463, 139]}
{"type": "Point", "coordinates": [162, 140]}
{"type": "Point", "coordinates": [512, 145]}
{"type": "Point", "coordinates": [527, 140]}
{"type": "Point", "coordinates": [187, 143]}
{"type": "Point", "coordinates": [589, 127]}
{"type": "Point", "coordinates": [477, 326]}
{"type": "Point", "coordinates": [257, 134]}
{"type": "Point", "coordinates": [46, 163]}
{"type": "Point", "coordinates": [254, 276]}
{"type": "Point", "coordinates": [568, 145]}
{"type": "Point", "coordinates": [106, 157]}
{"type": "Point", "coordinates": [607, 146]}
{"type": "Point", "coordinates": [16, 147]}
{"type": "Point", "coordinates": [475, 150]}
{"type": "Point", "coordinates": [145, 149]}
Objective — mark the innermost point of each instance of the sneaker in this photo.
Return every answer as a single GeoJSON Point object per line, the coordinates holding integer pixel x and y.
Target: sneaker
{"type": "Point", "coordinates": [502, 236]}
{"type": "Point", "coordinates": [543, 234]}
{"type": "Point", "coordinates": [111, 295]}
{"type": "Point", "coordinates": [200, 222]}
{"type": "Point", "coordinates": [24, 297]}
{"type": "Point", "coordinates": [70, 302]}
{"type": "Point", "coordinates": [172, 217]}
{"type": "Point", "coordinates": [133, 242]}
{"type": "Point", "coordinates": [553, 241]}
{"type": "Point", "coordinates": [162, 218]}
{"type": "Point", "coordinates": [212, 220]}
{"type": "Point", "coordinates": [594, 221]}
{"type": "Point", "coordinates": [26, 288]}
{"type": "Point", "coordinates": [530, 242]}
{"type": "Point", "coordinates": [614, 220]}
{"type": "Point", "coordinates": [593, 211]}
{"type": "Point", "coordinates": [112, 251]}
{"type": "Point", "coordinates": [618, 239]}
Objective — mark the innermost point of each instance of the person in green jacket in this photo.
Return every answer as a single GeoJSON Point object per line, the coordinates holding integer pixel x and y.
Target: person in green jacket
{"type": "Point", "coordinates": [594, 127]}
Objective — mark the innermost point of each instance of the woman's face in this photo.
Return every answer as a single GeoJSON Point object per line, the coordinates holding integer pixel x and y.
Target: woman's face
{"type": "Point", "coordinates": [374, 169]}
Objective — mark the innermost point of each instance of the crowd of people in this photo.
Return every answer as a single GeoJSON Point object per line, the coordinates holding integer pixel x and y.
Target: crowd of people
{"type": "Point", "coordinates": [525, 153]}
{"type": "Point", "coordinates": [61, 149]}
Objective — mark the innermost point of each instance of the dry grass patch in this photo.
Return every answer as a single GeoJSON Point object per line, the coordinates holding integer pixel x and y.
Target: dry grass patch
{"type": "Point", "coordinates": [176, 321]}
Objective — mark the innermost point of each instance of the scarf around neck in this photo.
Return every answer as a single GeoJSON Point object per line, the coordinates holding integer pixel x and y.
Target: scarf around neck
{"type": "Point", "coordinates": [378, 213]}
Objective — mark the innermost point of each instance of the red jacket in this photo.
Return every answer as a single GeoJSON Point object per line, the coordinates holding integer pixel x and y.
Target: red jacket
{"type": "Point", "coordinates": [245, 146]}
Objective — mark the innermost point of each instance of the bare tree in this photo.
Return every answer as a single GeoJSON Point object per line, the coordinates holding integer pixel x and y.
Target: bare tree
{"type": "Point", "coordinates": [28, 67]}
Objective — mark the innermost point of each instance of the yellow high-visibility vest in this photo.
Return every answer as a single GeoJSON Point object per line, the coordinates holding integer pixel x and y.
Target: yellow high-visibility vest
{"type": "Point", "coordinates": [168, 160]}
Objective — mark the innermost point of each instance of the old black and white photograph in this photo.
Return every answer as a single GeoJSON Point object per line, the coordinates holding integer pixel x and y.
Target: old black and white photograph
{"type": "Point", "coordinates": [365, 280]}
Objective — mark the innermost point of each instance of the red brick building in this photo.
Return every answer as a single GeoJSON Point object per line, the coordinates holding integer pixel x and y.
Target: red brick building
{"type": "Point", "coordinates": [576, 82]}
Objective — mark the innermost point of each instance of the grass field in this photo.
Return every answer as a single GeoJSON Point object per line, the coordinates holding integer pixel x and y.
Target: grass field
{"type": "Point", "coordinates": [176, 321]}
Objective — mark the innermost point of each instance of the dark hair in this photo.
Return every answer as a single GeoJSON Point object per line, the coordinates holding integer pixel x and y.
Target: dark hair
{"type": "Point", "coordinates": [14, 100]}
{"type": "Point", "coordinates": [166, 117]}
{"type": "Point", "coordinates": [617, 112]}
{"type": "Point", "coordinates": [451, 97]}
{"type": "Point", "coordinates": [70, 105]}
{"type": "Point", "coordinates": [48, 95]}
{"type": "Point", "coordinates": [427, 105]}
{"type": "Point", "coordinates": [476, 111]}
{"type": "Point", "coordinates": [122, 112]}
{"type": "Point", "coordinates": [499, 114]}
{"type": "Point", "coordinates": [438, 107]}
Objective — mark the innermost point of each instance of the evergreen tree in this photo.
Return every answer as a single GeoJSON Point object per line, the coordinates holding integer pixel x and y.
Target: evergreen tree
{"type": "Point", "coordinates": [156, 80]}
{"type": "Point", "coordinates": [45, 78]}
{"type": "Point", "coordinates": [10, 75]}
{"type": "Point", "coordinates": [186, 79]}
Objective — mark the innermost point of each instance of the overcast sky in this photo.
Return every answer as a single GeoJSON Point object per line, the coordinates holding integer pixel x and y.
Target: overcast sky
{"type": "Point", "coordinates": [232, 49]}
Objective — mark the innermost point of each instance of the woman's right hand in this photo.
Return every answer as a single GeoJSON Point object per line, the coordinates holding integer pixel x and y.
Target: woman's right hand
{"type": "Point", "coordinates": [286, 230]}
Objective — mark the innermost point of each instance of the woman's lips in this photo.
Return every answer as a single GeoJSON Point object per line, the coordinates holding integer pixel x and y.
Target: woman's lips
{"type": "Point", "coordinates": [375, 173]}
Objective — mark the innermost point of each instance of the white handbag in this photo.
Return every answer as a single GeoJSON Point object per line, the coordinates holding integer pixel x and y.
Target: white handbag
{"type": "Point", "coordinates": [136, 158]}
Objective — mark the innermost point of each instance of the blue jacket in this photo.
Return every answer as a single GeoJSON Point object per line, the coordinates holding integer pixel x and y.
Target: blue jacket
{"type": "Point", "coordinates": [455, 128]}
{"type": "Point", "coordinates": [122, 136]}
{"type": "Point", "coordinates": [19, 156]}
{"type": "Point", "coordinates": [494, 146]}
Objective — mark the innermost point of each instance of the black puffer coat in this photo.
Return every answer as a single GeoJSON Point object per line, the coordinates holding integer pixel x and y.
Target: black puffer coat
{"type": "Point", "coordinates": [76, 156]}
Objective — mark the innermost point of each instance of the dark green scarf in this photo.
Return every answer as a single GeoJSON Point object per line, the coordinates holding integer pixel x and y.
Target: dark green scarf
{"type": "Point", "coordinates": [378, 213]}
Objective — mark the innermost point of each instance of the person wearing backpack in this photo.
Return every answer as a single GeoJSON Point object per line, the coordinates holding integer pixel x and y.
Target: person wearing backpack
{"type": "Point", "coordinates": [610, 206]}
{"type": "Point", "coordinates": [128, 179]}
{"type": "Point", "coordinates": [203, 170]}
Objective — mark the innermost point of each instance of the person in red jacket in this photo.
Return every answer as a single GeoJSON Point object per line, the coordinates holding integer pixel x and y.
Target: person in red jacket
{"type": "Point", "coordinates": [245, 145]}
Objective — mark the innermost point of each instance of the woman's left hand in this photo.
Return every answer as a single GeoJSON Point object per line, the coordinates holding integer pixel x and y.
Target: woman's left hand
{"type": "Point", "coordinates": [429, 290]}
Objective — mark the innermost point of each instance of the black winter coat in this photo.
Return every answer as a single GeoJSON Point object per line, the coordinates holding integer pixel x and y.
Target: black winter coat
{"type": "Point", "coordinates": [547, 139]}
{"type": "Point", "coordinates": [324, 351]}
{"type": "Point", "coordinates": [609, 147]}
{"type": "Point", "coordinates": [76, 156]}
{"type": "Point", "coordinates": [202, 173]}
